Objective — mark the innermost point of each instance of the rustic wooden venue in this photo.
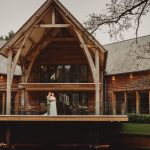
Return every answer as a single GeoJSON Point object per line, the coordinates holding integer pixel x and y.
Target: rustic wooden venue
{"type": "Point", "coordinates": [55, 53]}
{"type": "Point", "coordinates": [95, 86]}
{"type": "Point", "coordinates": [52, 51]}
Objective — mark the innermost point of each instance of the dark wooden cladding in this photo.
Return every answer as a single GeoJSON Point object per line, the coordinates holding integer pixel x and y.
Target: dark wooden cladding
{"type": "Point", "coordinates": [126, 83]}
{"type": "Point", "coordinates": [59, 86]}
{"type": "Point", "coordinates": [61, 56]}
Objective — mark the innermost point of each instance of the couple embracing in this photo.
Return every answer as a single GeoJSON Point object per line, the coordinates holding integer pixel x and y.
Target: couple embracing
{"type": "Point", "coordinates": [51, 104]}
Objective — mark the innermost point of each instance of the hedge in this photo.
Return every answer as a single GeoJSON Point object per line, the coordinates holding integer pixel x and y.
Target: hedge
{"type": "Point", "coordinates": [139, 118]}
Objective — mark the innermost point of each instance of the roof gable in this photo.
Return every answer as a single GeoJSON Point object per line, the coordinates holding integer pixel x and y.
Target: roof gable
{"type": "Point", "coordinates": [44, 15]}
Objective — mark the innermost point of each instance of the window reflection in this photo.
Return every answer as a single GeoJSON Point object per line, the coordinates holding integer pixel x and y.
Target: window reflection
{"type": "Point", "coordinates": [63, 73]}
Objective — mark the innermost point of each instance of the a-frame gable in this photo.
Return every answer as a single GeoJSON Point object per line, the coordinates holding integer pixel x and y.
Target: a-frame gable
{"type": "Point", "coordinates": [43, 15]}
{"type": "Point", "coordinates": [52, 23]}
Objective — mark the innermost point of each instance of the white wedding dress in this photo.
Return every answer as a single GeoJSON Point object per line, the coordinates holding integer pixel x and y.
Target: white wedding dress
{"type": "Point", "coordinates": [53, 109]}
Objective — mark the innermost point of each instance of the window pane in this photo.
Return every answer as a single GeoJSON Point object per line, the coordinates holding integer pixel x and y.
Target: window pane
{"type": "Point", "coordinates": [63, 73]}
{"type": "Point", "coordinates": [120, 105]}
{"type": "Point", "coordinates": [144, 102]}
{"type": "Point", "coordinates": [131, 100]}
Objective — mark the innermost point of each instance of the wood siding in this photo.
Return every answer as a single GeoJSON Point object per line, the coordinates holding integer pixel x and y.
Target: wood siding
{"type": "Point", "coordinates": [124, 82]}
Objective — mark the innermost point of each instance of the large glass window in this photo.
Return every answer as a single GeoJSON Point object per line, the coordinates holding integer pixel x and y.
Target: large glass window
{"type": "Point", "coordinates": [131, 101]}
{"type": "Point", "coordinates": [63, 73]}
{"type": "Point", "coordinates": [144, 102]}
{"type": "Point", "coordinates": [68, 103]}
{"type": "Point", "coordinates": [120, 103]}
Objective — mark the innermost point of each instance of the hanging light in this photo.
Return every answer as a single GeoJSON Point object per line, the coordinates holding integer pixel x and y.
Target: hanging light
{"type": "Point", "coordinates": [1, 77]}
{"type": "Point", "coordinates": [113, 78]}
{"type": "Point", "coordinates": [131, 76]}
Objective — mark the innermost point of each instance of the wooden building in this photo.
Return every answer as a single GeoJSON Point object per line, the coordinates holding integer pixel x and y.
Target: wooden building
{"type": "Point", "coordinates": [127, 77]}
{"type": "Point", "coordinates": [55, 53]}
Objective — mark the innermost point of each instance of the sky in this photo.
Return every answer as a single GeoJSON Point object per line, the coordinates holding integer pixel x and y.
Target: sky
{"type": "Point", "coordinates": [14, 13]}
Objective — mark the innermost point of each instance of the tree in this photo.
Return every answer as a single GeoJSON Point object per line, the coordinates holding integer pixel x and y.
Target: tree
{"type": "Point", "coordinates": [119, 16]}
{"type": "Point", "coordinates": [7, 37]}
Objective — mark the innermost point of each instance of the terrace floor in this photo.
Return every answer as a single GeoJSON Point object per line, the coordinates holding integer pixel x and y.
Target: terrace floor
{"type": "Point", "coordinates": [62, 118]}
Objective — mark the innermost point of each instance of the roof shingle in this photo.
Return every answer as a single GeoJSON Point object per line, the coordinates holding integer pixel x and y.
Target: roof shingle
{"type": "Point", "coordinates": [122, 57]}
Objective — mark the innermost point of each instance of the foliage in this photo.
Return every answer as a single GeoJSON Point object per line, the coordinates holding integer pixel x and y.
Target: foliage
{"type": "Point", "coordinates": [119, 16]}
{"type": "Point", "coordinates": [7, 37]}
{"type": "Point", "coordinates": [135, 129]}
{"type": "Point", "coordinates": [139, 118]}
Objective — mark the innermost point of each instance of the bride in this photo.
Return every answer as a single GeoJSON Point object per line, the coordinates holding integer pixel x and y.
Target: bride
{"type": "Point", "coordinates": [51, 104]}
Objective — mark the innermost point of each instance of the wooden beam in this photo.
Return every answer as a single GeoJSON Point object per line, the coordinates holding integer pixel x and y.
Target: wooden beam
{"type": "Point", "coordinates": [39, 45]}
{"type": "Point", "coordinates": [53, 16]}
{"type": "Point", "coordinates": [32, 41]}
{"type": "Point", "coordinates": [17, 100]}
{"type": "Point", "coordinates": [78, 118]}
{"type": "Point", "coordinates": [97, 90]}
{"type": "Point", "coordinates": [88, 55]}
{"type": "Point", "coordinates": [7, 136]}
{"type": "Point", "coordinates": [114, 103]}
{"type": "Point", "coordinates": [58, 86]}
{"type": "Point", "coordinates": [63, 39]}
{"type": "Point", "coordinates": [125, 103]}
{"type": "Point", "coordinates": [3, 102]}
{"type": "Point", "coordinates": [8, 92]}
{"type": "Point", "coordinates": [149, 101]}
{"type": "Point", "coordinates": [52, 26]}
{"type": "Point", "coordinates": [137, 102]}
{"type": "Point", "coordinates": [18, 54]}
{"type": "Point", "coordinates": [30, 65]}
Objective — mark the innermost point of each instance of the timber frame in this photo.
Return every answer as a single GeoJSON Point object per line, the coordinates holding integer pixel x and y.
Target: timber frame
{"type": "Point", "coordinates": [39, 32]}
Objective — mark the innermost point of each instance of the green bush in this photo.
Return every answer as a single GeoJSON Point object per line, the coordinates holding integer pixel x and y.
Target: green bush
{"type": "Point", "coordinates": [139, 118]}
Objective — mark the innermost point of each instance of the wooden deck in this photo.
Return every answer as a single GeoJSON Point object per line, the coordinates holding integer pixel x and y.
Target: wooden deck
{"type": "Point", "coordinates": [88, 118]}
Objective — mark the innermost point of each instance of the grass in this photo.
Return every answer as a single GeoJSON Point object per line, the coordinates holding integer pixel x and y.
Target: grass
{"type": "Point", "coordinates": [135, 129]}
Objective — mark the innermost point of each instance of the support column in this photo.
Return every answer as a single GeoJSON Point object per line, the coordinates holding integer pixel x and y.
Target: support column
{"type": "Point", "coordinates": [114, 103]}
{"type": "Point", "coordinates": [7, 136]}
{"type": "Point", "coordinates": [3, 102]}
{"type": "Point", "coordinates": [8, 92]}
{"type": "Point", "coordinates": [137, 103]}
{"type": "Point", "coordinates": [149, 101]}
{"type": "Point", "coordinates": [23, 91]}
{"type": "Point", "coordinates": [97, 89]}
{"type": "Point", "coordinates": [125, 103]}
{"type": "Point", "coordinates": [17, 103]}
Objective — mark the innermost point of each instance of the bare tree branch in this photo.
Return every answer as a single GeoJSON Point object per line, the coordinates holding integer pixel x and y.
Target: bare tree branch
{"type": "Point", "coordinates": [120, 16]}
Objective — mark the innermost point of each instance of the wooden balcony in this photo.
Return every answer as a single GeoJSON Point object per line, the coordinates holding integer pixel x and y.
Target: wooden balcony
{"type": "Point", "coordinates": [60, 118]}
{"type": "Point", "coordinates": [58, 86]}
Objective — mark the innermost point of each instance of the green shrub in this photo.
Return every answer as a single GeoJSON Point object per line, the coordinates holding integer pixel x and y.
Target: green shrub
{"type": "Point", "coordinates": [139, 118]}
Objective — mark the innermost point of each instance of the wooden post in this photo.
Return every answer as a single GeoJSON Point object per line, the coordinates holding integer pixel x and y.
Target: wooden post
{"type": "Point", "coordinates": [8, 95]}
{"type": "Point", "coordinates": [7, 136]}
{"type": "Point", "coordinates": [16, 58]}
{"type": "Point", "coordinates": [3, 102]}
{"type": "Point", "coordinates": [149, 101]}
{"type": "Point", "coordinates": [125, 103]}
{"type": "Point", "coordinates": [53, 15]}
{"type": "Point", "coordinates": [17, 103]}
{"type": "Point", "coordinates": [23, 90]}
{"type": "Point", "coordinates": [114, 103]}
{"type": "Point", "coordinates": [101, 74]}
{"type": "Point", "coordinates": [97, 90]}
{"type": "Point", "coordinates": [137, 102]}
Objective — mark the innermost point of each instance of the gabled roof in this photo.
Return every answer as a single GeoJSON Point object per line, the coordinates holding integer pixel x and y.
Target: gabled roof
{"type": "Point", "coordinates": [3, 63]}
{"type": "Point", "coordinates": [122, 57]}
{"type": "Point", "coordinates": [42, 15]}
